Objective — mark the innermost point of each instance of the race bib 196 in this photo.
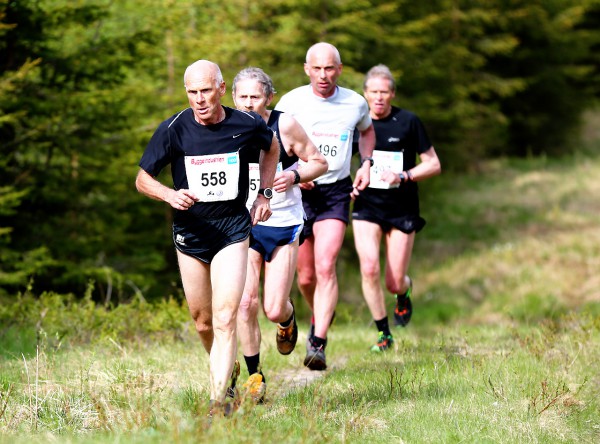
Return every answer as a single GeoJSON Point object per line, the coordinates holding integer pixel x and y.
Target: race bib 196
{"type": "Point", "coordinates": [213, 177]}
{"type": "Point", "coordinates": [383, 161]}
{"type": "Point", "coordinates": [332, 143]}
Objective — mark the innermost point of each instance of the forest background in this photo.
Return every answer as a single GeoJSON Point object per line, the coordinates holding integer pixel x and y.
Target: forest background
{"type": "Point", "coordinates": [83, 84]}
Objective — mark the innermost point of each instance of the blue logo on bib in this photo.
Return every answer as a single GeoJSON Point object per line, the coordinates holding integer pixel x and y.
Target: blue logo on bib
{"type": "Point", "coordinates": [232, 160]}
{"type": "Point", "coordinates": [344, 137]}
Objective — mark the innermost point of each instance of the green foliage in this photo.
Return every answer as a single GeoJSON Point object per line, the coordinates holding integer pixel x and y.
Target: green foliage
{"type": "Point", "coordinates": [84, 84]}
{"type": "Point", "coordinates": [72, 118]}
{"type": "Point", "coordinates": [555, 59]}
{"type": "Point", "coordinates": [53, 320]}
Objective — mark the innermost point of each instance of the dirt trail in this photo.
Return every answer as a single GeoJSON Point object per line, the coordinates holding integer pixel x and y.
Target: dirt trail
{"type": "Point", "coordinates": [282, 383]}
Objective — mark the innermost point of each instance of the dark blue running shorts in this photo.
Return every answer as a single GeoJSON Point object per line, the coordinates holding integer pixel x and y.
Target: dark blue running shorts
{"type": "Point", "coordinates": [265, 239]}
{"type": "Point", "coordinates": [326, 201]}
{"type": "Point", "coordinates": [203, 238]}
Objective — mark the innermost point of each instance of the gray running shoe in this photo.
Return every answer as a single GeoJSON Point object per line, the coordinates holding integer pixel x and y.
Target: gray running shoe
{"type": "Point", "coordinates": [231, 403]}
{"type": "Point", "coordinates": [235, 373]}
{"type": "Point", "coordinates": [220, 409]}
{"type": "Point", "coordinates": [315, 356]}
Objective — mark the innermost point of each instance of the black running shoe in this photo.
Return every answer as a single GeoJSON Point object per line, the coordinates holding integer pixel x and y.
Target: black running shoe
{"type": "Point", "coordinates": [384, 343]}
{"type": "Point", "coordinates": [403, 310]}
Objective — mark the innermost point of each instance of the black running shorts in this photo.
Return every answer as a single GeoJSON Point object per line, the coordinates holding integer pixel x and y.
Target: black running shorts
{"type": "Point", "coordinates": [406, 223]}
{"type": "Point", "coordinates": [203, 238]}
{"type": "Point", "coordinates": [327, 201]}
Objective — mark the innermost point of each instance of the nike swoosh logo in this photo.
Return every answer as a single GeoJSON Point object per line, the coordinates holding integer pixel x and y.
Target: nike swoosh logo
{"type": "Point", "coordinates": [237, 135]}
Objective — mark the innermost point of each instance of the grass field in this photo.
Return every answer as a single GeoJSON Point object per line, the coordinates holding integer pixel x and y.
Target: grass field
{"type": "Point", "coordinates": [504, 345]}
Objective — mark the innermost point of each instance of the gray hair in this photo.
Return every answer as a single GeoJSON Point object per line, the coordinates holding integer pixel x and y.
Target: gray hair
{"type": "Point", "coordinates": [205, 64]}
{"type": "Point", "coordinates": [380, 71]}
{"type": "Point", "coordinates": [322, 46]}
{"type": "Point", "coordinates": [253, 73]}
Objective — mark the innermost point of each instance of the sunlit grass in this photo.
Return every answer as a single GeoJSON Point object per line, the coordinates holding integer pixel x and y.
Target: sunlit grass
{"type": "Point", "coordinates": [504, 344]}
{"type": "Point", "coordinates": [476, 383]}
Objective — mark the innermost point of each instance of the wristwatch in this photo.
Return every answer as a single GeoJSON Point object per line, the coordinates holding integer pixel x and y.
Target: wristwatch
{"type": "Point", "coordinates": [296, 177]}
{"type": "Point", "coordinates": [364, 159]}
{"type": "Point", "coordinates": [267, 192]}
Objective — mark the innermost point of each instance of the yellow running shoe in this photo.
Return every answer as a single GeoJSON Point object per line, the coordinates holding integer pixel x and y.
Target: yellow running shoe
{"type": "Point", "coordinates": [256, 388]}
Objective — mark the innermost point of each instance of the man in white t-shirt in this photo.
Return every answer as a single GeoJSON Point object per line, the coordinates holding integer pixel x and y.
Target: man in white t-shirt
{"type": "Point", "coordinates": [329, 114]}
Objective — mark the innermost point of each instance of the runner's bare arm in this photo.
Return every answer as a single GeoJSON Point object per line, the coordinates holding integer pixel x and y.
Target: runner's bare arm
{"type": "Point", "coordinates": [366, 144]}
{"type": "Point", "coordinates": [430, 166]}
{"type": "Point", "coordinates": [296, 141]}
{"type": "Point", "coordinates": [149, 186]}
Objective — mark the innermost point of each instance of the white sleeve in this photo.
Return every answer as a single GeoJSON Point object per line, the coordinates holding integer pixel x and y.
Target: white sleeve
{"type": "Point", "coordinates": [365, 120]}
{"type": "Point", "coordinates": [284, 104]}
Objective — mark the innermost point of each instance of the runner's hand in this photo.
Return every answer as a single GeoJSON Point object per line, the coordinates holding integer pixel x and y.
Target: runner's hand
{"type": "Point", "coordinates": [363, 177]}
{"type": "Point", "coordinates": [307, 185]}
{"type": "Point", "coordinates": [261, 210]}
{"type": "Point", "coordinates": [283, 181]}
{"type": "Point", "coordinates": [180, 199]}
{"type": "Point", "coordinates": [390, 177]}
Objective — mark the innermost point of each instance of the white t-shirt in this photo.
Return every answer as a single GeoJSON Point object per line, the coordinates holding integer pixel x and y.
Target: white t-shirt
{"type": "Point", "coordinates": [329, 123]}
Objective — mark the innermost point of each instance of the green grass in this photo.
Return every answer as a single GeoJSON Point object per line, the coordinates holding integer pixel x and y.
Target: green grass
{"type": "Point", "coordinates": [478, 383]}
{"type": "Point", "coordinates": [504, 345]}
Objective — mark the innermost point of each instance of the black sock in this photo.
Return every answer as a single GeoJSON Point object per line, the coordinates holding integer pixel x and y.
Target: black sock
{"type": "Point", "coordinates": [288, 322]}
{"type": "Point", "coordinates": [319, 342]}
{"type": "Point", "coordinates": [383, 326]}
{"type": "Point", "coordinates": [252, 362]}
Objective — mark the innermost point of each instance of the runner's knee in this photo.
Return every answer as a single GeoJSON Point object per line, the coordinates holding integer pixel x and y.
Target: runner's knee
{"type": "Point", "coordinates": [396, 286]}
{"type": "Point", "coordinates": [306, 277]}
{"type": "Point", "coordinates": [248, 306]}
{"type": "Point", "coordinates": [203, 325]}
{"type": "Point", "coordinates": [325, 270]}
{"type": "Point", "coordinates": [370, 270]}
{"type": "Point", "coordinates": [276, 312]}
{"type": "Point", "coordinates": [224, 321]}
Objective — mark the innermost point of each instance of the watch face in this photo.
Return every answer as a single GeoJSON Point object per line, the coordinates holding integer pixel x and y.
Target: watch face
{"type": "Point", "coordinates": [268, 193]}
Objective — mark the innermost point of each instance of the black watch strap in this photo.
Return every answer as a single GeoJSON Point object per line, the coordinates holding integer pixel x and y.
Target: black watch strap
{"type": "Point", "coordinates": [364, 159]}
{"type": "Point", "coordinates": [267, 192]}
